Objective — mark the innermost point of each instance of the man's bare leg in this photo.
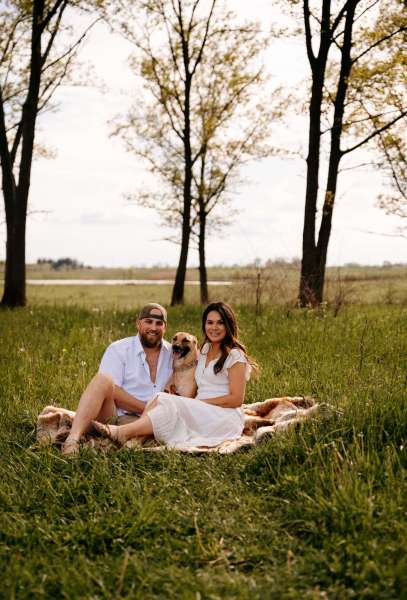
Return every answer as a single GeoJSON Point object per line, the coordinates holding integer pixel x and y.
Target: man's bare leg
{"type": "Point", "coordinates": [96, 403]}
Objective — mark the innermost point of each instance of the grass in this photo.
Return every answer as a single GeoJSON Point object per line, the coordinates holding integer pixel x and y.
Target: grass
{"type": "Point", "coordinates": [274, 283]}
{"type": "Point", "coordinates": [318, 512]}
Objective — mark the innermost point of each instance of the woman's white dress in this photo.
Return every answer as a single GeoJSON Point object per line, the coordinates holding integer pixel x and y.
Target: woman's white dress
{"type": "Point", "coordinates": [184, 422]}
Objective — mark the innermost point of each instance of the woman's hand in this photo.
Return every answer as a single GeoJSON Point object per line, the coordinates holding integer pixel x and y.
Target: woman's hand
{"type": "Point", "coordinates": [237, 387]}
{"type": "Point", "coordinates": [150, 405]}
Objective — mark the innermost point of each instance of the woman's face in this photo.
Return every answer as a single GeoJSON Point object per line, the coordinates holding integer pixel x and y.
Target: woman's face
{"type": "Point", "coordinates": [215, 329]}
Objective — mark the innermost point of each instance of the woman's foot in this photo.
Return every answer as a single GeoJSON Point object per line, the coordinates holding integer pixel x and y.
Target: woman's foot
{"type": "Point", "coordinates": [110, 431]}
{"type": "Point", "coordinates": [70, 446]}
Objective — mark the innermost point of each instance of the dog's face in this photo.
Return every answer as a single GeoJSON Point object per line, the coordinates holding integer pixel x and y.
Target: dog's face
{"type": "Point", "coordinates": [184, 345]}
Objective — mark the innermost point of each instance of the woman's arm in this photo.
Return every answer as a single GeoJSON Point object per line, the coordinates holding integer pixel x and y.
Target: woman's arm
{"type": "Point", "coordinates": [237, 387]}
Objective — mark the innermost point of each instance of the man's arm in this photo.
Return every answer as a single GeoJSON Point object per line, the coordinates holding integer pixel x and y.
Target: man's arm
{"type": "Point", "coordinates": [112, 364]}
{"type": "Point", "coordinates": [126, 401]}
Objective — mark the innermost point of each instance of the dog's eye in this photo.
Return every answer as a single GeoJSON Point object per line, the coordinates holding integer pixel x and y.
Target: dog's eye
{"type": "Point", "coordinates": [185, 340]}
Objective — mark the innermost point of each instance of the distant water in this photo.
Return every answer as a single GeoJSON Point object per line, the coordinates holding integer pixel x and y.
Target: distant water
{"type": "Point", "coordinates": [116, 282]}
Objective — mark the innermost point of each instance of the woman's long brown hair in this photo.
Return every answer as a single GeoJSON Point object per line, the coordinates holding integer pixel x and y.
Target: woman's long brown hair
{"type": "Point", "coordinates": [231, 339]}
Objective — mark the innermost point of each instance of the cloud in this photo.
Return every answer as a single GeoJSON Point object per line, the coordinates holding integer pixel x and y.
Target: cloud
{"type": "Point", "coordinates": [98, 218]}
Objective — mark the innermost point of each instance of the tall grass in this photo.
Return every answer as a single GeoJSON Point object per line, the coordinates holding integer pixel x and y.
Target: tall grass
{"type": "Point", "coordinates": [273, 283]}
{"type": "Point", "coordinates": [317, 512]}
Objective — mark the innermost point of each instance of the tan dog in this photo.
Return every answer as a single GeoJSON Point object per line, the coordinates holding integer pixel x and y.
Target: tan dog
{"type": "Point", "coordinates": [185, 358]}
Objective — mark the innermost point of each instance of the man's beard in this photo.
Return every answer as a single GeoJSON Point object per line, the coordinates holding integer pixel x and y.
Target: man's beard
{"type": "Point", "coordinates": [147, 343]}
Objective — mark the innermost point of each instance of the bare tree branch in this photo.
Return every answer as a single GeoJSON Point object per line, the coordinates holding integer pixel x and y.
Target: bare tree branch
{"type": "Point", "coordinates": [385, 38]}
{"type": "Point", "coordinates": [374, 134]}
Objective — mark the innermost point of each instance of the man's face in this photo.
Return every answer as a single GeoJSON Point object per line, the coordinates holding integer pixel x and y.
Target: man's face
{"type": "Point", "coordinates": [151, 330]}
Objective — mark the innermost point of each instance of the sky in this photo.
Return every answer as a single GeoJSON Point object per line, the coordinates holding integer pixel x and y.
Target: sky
{"type": "Point", "coordinates": [77, 199]}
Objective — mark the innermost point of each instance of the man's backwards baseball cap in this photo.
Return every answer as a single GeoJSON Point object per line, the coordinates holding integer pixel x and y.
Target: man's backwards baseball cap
{"type": "Point", "coordinates": [153, 311]}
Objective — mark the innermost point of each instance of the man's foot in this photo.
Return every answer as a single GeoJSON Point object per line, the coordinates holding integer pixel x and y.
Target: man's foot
{"type": "Point", "coordinates": [70, 446]}
{"type": "Point", "coordinates": [110, 431]}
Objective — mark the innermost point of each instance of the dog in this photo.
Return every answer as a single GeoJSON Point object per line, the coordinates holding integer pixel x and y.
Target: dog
{"type": "Point", "coordinates": [185, 358]}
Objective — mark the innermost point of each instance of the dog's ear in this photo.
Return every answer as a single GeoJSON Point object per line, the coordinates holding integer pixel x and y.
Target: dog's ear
{"type": "Point", "coordinates": [195, 340]}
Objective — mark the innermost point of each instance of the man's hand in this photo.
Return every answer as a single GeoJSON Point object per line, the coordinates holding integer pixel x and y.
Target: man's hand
{"type": "Point", "coordinates": [126, 401]}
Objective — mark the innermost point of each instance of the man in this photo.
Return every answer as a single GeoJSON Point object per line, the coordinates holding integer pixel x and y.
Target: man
{"type": "Point", "coordinates": [132, 371]}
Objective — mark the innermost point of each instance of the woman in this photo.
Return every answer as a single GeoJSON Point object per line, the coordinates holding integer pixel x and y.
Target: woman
{"type": "Point", "coordinates": [215, 415]}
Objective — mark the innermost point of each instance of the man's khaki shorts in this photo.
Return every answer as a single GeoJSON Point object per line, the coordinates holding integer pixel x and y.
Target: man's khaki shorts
{"type": "Point", "coordinates": [122, 419]}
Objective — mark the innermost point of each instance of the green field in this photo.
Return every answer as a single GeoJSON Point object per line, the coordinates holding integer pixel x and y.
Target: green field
{"type": "Point", "coordinates": [275, 283]}
{"type": "Point", "coordinates": [318, 512]}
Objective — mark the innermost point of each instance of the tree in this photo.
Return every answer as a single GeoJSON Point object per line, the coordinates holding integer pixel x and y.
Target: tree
{"type": "Point", "coordinates": [394, 164]}
{"type": "Point", "coordinates": [31, 69]}
{"type": "Point", "coordinates": [201, 70]}
{"type": "Point", "coordinates": [217, 173]}
{"type": "Point", "coordinates": [358, 77]}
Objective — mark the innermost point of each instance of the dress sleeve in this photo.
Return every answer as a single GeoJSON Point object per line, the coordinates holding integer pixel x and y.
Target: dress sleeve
{"type": "Point", "coordinates": [111, 364]}
{"type": "Point", "coordinates": [237, 356]}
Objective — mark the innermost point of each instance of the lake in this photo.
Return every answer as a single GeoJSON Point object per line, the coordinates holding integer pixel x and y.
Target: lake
{"type": "Point", "coordinates": [116, 282]}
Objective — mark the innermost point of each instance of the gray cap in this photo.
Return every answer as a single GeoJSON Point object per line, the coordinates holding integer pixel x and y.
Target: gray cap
{"type": "Point", "coordinates": [145, 312]}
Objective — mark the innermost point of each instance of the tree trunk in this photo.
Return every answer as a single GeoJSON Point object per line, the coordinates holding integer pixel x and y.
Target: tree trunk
{"type": "Point", "coordinates": [335, 154]}
{"type": "Point", "coordinates": [203, 275]}
{"type": "Point", "coordinates": [309, 274]}
{"type": "Point", "coordinates": [179, 284]}
{"type": "Point", "coordinates": [13, 294]}
{"type": "Point", "coordinates": [16, 197]}
{"type": "Point", "coordinates": [314, 257]}
{"type": "Point", "coordinates": [14, 285]}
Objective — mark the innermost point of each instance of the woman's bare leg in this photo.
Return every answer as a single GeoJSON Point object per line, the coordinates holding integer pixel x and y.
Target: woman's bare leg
{"type": "Point", "coordinates": [96, 403]}
{"type": "Point", "coordinates": [122, 433]}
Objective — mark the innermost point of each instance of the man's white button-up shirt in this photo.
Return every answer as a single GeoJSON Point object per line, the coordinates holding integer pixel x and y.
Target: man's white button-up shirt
{"type": "Point", "coordinates": [125, 361]}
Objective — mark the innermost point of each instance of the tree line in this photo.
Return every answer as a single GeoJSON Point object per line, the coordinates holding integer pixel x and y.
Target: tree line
{"type": "Point", "coordinates": [205, 110]}
{"type": "Point", "coordinates": [62, 263]}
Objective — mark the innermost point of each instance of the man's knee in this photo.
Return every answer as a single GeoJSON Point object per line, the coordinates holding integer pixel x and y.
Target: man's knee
{"type": "Point", "coordinates": [105, 382]}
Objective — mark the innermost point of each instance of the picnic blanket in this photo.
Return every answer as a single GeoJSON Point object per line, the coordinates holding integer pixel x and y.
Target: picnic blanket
{"type": "Point", "coordinates": [262, 420]}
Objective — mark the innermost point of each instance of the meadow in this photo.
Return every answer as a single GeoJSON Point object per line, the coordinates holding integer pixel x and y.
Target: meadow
{"type": "Point", "coordinates": [318, 512]}
{"type": "Point", "coordinates": [273, 283]}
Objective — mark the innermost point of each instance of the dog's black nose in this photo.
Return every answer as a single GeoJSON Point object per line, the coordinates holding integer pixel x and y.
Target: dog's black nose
{"type": "Point", "coordinates": [176, 348]}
